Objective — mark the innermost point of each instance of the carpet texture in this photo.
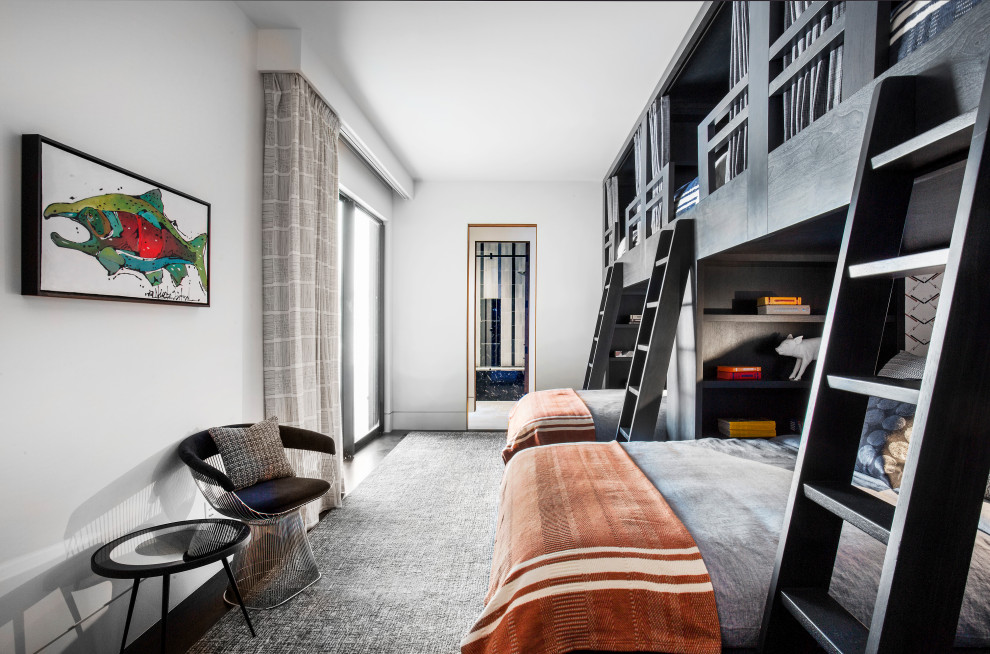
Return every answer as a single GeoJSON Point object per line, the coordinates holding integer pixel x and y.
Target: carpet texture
{"type": "Point", "coordinates": [405, 560]}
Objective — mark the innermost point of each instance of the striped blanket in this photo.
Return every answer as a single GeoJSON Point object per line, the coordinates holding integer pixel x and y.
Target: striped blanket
{"type": "Point", "coordinates": [546, 417]}
{"type": "Point", "coordinates": [589, 556]}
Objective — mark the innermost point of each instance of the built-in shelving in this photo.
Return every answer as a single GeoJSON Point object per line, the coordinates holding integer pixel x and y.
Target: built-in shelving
{"type": "Point", "coordinates": [750, 384]}
{"type": "Point", "coordinates": [742, 317]}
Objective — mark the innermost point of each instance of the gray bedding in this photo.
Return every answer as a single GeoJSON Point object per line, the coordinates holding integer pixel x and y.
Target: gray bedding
{"type": "Point", "coordinates": [606, 405]}
{"type": "Point", "coordinates": [731, 496]}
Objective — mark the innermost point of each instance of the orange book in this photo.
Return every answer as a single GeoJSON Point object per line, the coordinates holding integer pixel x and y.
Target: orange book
{"type": "Point", "coordinates": [740, 369]}
{"type": "Point", "coordinates": [739, 375]}
{"type": "Point", "coordinates": [765, 301]}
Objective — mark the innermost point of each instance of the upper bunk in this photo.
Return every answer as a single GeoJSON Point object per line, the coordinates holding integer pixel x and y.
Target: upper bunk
{"type": "Point", "coordinates": [757, 123]}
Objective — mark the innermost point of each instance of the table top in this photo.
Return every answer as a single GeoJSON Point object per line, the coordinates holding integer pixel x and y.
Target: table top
{"type": "Point", "coordinates": [170, 548]}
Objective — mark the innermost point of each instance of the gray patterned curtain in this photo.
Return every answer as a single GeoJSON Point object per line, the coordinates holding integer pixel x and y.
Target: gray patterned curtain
{"type": "Point", "coordinates": [815, 92]}
{"type": "Point", "coordinates": [738, 68]}
{"type": "Point", "coordinates": [299, 263]}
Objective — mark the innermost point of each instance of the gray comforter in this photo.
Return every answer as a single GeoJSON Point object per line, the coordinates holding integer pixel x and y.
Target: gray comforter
{"type": "Point", "coordinates": [606, 405]}
{"type": "Point", "coordinates": [731, 496]}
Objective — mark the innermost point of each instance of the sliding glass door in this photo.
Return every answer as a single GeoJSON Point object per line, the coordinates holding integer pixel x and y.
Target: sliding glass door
{"type": "Point", "coordinates": [362, 326]}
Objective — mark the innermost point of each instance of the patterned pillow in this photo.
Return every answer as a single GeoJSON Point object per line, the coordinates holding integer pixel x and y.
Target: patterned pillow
{"type": "Point", "coordinates": [252, 454]}
{"type": "Point", "coordinates": [884, 441]}
{"type": "Point", "coordinates": [904, 365]}
{"type": "Point", "coordinates": [887, 426]}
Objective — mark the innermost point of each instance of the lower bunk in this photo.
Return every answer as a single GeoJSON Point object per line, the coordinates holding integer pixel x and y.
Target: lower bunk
{"type": "Point", "coordinates": [565, 415]}
{"type": "Point", "coordinates": [729, 496]}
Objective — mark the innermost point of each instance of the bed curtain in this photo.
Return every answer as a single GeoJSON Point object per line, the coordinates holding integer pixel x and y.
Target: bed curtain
{"type": "Point", "coordinates": [738, 69]}
{"type": "Point", "coordinates": [818, 89]}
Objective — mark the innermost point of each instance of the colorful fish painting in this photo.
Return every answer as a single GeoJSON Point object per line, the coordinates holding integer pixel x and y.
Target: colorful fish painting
{"type": "Point", "coordinates": [132, 233]}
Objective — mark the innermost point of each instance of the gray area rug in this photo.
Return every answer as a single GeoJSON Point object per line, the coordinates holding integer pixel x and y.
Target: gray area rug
{"type": "Point", "coordinates": [405, 560]}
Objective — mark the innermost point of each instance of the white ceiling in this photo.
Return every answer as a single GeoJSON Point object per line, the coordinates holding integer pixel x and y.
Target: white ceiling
{"type": "Point", "coordinates": [494, 91]}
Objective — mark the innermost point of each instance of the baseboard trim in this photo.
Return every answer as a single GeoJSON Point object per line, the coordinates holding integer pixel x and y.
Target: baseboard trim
{"type": "Point", "coordinates": [429, 420]}
{"type": "Point", "coordinates": [189, 621]}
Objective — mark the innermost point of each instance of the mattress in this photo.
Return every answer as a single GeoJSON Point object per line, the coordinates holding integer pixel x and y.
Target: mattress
{"type": "Point", "coordinates": [606, 405]}
{"type": "Point", "coordinates": [731, 495]}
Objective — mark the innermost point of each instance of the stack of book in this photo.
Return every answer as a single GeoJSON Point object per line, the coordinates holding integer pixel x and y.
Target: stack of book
{"type": "Point", "coordinates": [623, 354]}
{"type": "Point", "coordinates": [635, 319]}
{"type": "Point", "coordinates": [776, 306]}
{"type": "Point", "coordinates": [739, 372]}
{"type": "Point", "coordinates": [742, 428]}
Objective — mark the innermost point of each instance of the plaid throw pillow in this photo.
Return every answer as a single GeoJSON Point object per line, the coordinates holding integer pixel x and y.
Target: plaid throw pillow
{"type": "Point", "coordinates": [252, 454]}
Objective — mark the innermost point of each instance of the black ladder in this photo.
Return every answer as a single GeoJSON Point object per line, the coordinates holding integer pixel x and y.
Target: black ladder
{"type": "Point", "coordinates": [930, 534]}
{"type": "Point", "coordinates": [601, 344]}
{"type": "Point", "coordinates": [655, 337]}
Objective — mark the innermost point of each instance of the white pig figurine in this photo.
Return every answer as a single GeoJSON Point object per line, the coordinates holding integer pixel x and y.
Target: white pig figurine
{"type": "Point", "coordinates": [805, 349]}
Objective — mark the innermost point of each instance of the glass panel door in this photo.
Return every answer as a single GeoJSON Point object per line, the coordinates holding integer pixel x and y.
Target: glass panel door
{"type": "Point", "coordinates": [501, 337]}
{"type": "Point", "coordinates": [362, 360]}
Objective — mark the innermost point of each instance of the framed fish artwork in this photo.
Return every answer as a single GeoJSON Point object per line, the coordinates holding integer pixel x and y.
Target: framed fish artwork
{"type": "Point", "coordinates": [94, 230]}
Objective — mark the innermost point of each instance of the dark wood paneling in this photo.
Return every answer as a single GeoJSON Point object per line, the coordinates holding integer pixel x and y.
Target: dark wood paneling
{"type": "Point", "coordinates": [813, 173]}
{"type": "Point", "coordinates": [932, 209]}
{"type": "Point", "coordinates": [722, 219]}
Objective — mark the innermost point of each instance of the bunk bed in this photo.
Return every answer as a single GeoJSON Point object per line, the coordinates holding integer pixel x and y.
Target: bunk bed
{"type": "Point", "coordinates": [736, 498]}
{"type": "Point", "coordinates": [731, 497]}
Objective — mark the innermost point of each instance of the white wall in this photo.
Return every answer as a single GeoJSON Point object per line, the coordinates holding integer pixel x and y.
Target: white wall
{"type": "Point", "coordinates": [429, 278]}
{"type": "Point", "coordinates": [95, 395]}
{"type": "Point", "coordinates": [362, 184]}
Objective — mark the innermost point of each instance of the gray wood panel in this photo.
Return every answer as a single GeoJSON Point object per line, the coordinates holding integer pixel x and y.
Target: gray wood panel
{"type": "Point", "coordinates": [813, 173]}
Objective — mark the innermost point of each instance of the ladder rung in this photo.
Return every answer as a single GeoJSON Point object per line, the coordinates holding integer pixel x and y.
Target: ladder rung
{"type": "Point", "coordinates": [854, 505]}
{"type": "Point", "coordinates": [634, 390]}
{"type": "Point", "coordinates": [591, 365]}
{"type": "Point", "coordinates": [652, 305]}
{"type": "Point", "coordinates": [596, 339]}
{"type": "Point", "coordinates": [601, 313]}
{"type": "Point", "coordinates": [645, 348]}
{"type": "Point", "coordinates": [921, 263]}
{"type": "Point", "coordinates": [832, 626]}
{"type": "Point", "coordinates": [661, 262]}
{"type": "Point", "coordinates": [623, 434]}
{"type": "Point", "coordinates": [901, 390]}
{"type": "Point", "coordinates": [937, 143]}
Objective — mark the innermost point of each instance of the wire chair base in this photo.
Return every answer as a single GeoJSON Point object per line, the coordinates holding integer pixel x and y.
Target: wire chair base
{"type": "Point", "coordinates": [277, 565]}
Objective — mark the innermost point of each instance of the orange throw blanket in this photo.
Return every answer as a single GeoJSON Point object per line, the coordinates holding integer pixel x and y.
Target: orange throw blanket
{"type": "Point", "coordinates": [589, 556]}
{"type": "Point", "coordinates": [547, 417]}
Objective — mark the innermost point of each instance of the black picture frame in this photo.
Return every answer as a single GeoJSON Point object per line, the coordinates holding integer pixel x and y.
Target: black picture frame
{"type": "Point", "coordinates": [144, 241]}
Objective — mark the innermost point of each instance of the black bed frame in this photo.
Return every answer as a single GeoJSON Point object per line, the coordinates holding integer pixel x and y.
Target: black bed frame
{"type": "Point", "coordinates": [790, 208]}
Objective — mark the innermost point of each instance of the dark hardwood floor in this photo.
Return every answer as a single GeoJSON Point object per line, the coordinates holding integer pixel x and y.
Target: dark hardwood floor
{"type": "Point", "coordinates": [368, 457]}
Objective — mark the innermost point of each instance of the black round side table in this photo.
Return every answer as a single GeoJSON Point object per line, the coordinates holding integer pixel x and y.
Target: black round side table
{"type": "Point", "coordinates": [169, 549]}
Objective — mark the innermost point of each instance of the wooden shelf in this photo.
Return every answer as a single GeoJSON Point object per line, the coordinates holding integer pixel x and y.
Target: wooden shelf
{"type": "Point", "coordinates": [746, 317]}
{"type": "Point", "coordinates": [755, 383]}
{"type": "Point", "coordinates": [951, 137]}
